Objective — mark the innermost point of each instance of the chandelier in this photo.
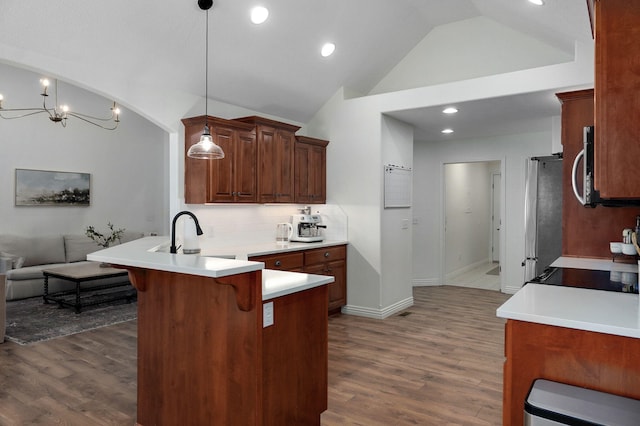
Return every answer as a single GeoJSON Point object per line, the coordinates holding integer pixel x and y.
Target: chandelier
{"type": "Point", "coordinates": [60, 113]}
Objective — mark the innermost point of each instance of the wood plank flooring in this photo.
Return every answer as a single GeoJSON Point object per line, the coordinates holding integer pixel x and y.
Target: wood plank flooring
{"type": "Point", "coordinates": [439, 363]}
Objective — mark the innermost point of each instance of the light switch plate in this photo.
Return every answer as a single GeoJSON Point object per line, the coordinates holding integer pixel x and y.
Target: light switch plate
{"type": "Point", "coordinates": [267, 314]}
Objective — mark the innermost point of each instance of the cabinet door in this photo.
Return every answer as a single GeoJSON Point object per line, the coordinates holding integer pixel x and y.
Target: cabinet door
{"type": "Point", "coordinates": [221, 182]}
{"type": "Point", "coordinates": [302, 180]}
{"type": "Point", "coordinates": [338, 288]}
{"type": "Point", "coordinates": [285, 161]}
{"type": "Point", "coordinates": [617, 84]}
{"type": "Point", "coordinates": [245, 175]}
{"type": "Point", "coordinates": [330, 261]}
{"type": "Point", "coordinates": [275, 165]}
{"type": "Point", "coordinates": [317, 174]}
{"type": "Point", "coordinates": [310, 170]}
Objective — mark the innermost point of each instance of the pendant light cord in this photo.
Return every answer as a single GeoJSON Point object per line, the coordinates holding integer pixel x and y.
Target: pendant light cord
{"type": "Point", "coordinates": [206, 68]}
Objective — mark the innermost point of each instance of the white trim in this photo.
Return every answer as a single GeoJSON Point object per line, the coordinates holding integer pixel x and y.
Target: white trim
{"type": "Point", "coordinates": [361, 311]}
{"type": "Point", "coordinates": [510, 289]}
{"type": "Point", "coordinates": [465, 269]}
{"type": "Point", "coordinates": [424, 282]}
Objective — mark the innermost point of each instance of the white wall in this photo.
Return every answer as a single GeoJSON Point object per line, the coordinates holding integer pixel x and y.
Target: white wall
{"type": "Point", "coordinates": [128, 166]}
{"type": "Point", "coordinates": [468, 214]}
{"type": "Point", "coordinates": [429, 161]}
{"type": "Point", "coordinates": [396, 248]}
{"type": "Point", "coordinates": [458, 51]}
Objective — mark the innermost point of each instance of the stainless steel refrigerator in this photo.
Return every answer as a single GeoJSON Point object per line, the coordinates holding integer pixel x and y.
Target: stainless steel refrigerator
{"type": "Point", "coordinates": [543, 214]}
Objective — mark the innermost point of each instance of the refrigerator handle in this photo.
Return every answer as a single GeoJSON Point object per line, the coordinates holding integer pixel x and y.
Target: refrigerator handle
{"type": "Point", "coordinates": [574, 178]}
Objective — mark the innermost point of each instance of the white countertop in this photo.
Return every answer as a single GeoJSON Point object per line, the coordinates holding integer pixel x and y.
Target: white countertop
{"type": "Point", "coordinates": [594, 264]}
{"type": "Point", "coordinates": [280, 283]}
{"type": "Point", "coordinates": [578, 308]}
{"type": "Point", "coordinates": [143, 253]}
{"type": "Point", "coordinates": [212, 247]}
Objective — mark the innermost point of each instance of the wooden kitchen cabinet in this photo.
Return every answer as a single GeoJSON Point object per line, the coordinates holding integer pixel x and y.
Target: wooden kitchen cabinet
{"type": "Point", "coordinates": [265, 162]}
{"type": "Point", "coordinates": [330, 261]}
{"type": "Point", "coordinates": [275, 159]}
{"type": "Point", "coordinates": [310, 170]}
{"type": "Point", "coordinates": [586, 232]}
{"type": "Point", "coordinates": [231, 179]}
{"type": "Point", "coordinates": [617, 86]}
{"type": "Point", "coordinates": [598, 361]}
{"type": "Point", "coordinates": [289, 261]}
{"type": "Point", "coordinates": [206, 358]}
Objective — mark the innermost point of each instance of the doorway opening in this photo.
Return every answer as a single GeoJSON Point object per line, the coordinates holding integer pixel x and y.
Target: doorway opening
{"type": "Point", "coordinates": [472, 224]}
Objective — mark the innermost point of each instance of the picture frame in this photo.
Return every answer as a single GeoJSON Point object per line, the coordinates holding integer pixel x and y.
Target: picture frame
{"type": "Point", "coordinates": [52, 188]}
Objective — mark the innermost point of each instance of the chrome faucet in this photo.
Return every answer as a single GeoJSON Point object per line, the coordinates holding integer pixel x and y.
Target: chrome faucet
{"type": "Point", "coordinates": [173, 248]}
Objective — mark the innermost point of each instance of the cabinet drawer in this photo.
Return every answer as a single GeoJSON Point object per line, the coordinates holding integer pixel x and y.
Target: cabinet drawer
{"type": "Point", "coordinates": [284, 261]}
{"type": "Point", "coordinates": [326, 254]}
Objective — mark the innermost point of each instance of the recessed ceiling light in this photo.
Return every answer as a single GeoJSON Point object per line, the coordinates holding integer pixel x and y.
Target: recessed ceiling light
{"type": "Point", "coordinates": [327, 49]}
{"type": "Point", "coordinates": [259, 14]}
{"type": "Point", "coordinates": [447, 131]}
{"type": "Point", "coordinates": [450, 110]}
{"type": "Point", "coordinates": [537, 2]}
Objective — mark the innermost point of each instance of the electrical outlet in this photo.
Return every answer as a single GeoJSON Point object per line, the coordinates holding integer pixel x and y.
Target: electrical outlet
{"type": "Point", "coordinates": [267, 314]}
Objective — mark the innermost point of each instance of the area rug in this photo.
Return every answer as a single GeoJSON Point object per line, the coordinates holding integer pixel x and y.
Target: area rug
{"type": "Point", "coordinates": [494, 271]}
{"type": "Point", "coordinates": [30, 320]}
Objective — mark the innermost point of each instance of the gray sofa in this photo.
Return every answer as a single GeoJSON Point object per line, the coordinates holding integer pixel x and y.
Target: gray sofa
{"type": "Point", "coordinates": [26, 257]}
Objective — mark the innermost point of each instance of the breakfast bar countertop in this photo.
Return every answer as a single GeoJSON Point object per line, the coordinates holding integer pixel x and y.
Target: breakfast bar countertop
{"type": "Point", "coordinates": [148, 253]}
{"type": "Point", "coordinates": [578, 308]}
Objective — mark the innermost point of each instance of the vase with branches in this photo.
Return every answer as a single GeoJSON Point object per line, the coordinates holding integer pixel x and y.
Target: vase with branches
{"type": "Point", "coordinates": [106, 239]}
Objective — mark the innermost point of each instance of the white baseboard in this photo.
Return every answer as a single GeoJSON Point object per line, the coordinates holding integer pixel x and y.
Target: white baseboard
{"type": "Point", "coordinates": [511, 289]}
{"type": "Point", "coordinates": [464, 269]}
{"type": "Point", "coordinates": [424, 282]}
{"type": "Point", "coordinates": [383, 313]}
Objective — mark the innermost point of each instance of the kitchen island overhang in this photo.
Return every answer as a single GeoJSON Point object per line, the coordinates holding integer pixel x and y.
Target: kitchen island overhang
{"type": "Point", "coordinates": [204, 354]}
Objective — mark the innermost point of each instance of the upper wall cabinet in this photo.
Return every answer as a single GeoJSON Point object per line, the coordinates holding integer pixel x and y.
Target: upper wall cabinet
{"type": "Point", "coordinates": [265, 162]}
{"type": "Point", "coordinates": [617, 97]}
{"type": "Point", "coordinates": [231, 179]}
{"type": "Point", "coordinates": [275, 161]}
{"type": "Point", "coordinates": [310, 170]}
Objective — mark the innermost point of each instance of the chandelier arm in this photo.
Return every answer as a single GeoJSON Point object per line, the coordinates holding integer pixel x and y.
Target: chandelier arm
{"type": "Point", "coordinates": [73, 114]}
{"type": "Point", "coordinates": [91, 117]}
{"type": "Point", "coordinates": [34, 112]}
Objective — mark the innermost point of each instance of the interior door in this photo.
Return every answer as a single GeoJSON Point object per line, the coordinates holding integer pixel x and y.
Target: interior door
{"type": "Point", "coordinates": [496, 220]}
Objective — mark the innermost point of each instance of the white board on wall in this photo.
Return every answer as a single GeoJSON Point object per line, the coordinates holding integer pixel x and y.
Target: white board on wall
{"type": "Point", "coordinates": [397, 186]}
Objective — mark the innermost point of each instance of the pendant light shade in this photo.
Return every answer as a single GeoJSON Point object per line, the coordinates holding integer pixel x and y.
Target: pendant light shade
{"type": "Point", "coordinates": [206, 148]}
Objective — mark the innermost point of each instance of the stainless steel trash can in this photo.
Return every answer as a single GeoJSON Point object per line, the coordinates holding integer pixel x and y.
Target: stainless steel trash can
{"type": "Point", "coordinates": [550, 403]}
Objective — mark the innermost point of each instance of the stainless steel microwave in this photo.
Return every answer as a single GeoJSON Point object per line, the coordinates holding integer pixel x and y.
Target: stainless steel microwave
{"type": "Point", "coordinates": [590, 197]}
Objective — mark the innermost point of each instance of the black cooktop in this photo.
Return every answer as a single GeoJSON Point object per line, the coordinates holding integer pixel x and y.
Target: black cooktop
{"type": "Point", "coordinates": [626, 282]}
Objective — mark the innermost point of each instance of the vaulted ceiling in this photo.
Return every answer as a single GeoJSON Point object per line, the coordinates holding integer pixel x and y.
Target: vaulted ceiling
{"type": "Point", "coordinates": [274, 68]}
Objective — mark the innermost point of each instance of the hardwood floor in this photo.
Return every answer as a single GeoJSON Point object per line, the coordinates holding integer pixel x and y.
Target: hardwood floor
{"type": "Point", "coordinates": [439, 362]}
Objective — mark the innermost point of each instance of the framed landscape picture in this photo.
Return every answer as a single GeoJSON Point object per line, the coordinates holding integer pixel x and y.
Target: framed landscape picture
{"type": "Point", "coordinates": [50, 188]}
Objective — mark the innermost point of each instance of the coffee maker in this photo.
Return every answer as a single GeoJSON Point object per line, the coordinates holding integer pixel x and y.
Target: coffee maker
{"type": "Point", "coordinates": [306, 228]}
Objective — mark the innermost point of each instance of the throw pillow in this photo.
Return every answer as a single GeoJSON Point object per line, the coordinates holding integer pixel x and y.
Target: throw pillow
{"type": "Point", "coordinates": [16, 261]}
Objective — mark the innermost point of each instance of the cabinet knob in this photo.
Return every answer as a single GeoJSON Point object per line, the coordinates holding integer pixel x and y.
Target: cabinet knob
{"type": "Point", "coordinates": [278, 263]}
{"type": "Point", "coordinates": [326, 254]}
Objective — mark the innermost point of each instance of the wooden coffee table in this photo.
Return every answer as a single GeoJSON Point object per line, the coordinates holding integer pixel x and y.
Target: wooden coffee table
{"type": "Point", "coordinates": [81, 273]}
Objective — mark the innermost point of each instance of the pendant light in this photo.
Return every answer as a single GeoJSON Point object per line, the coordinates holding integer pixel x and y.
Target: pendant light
{"type": "Point", "coordinates": [206, 148]}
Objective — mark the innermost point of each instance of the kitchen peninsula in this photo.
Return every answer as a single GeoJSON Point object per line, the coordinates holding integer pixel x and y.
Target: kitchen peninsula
{"type": "Point", "coordinates": [224, 341]}
{"type": "Point", "coordinates": [581, 337]}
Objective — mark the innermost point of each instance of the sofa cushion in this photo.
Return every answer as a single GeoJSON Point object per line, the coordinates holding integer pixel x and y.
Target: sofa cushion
{"type": "Point", "coordinates": [77, 247]}
{"type": "Point", "coordinates": [30, 272]}
{"type": "Point", "coordinates": [35, 250]}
